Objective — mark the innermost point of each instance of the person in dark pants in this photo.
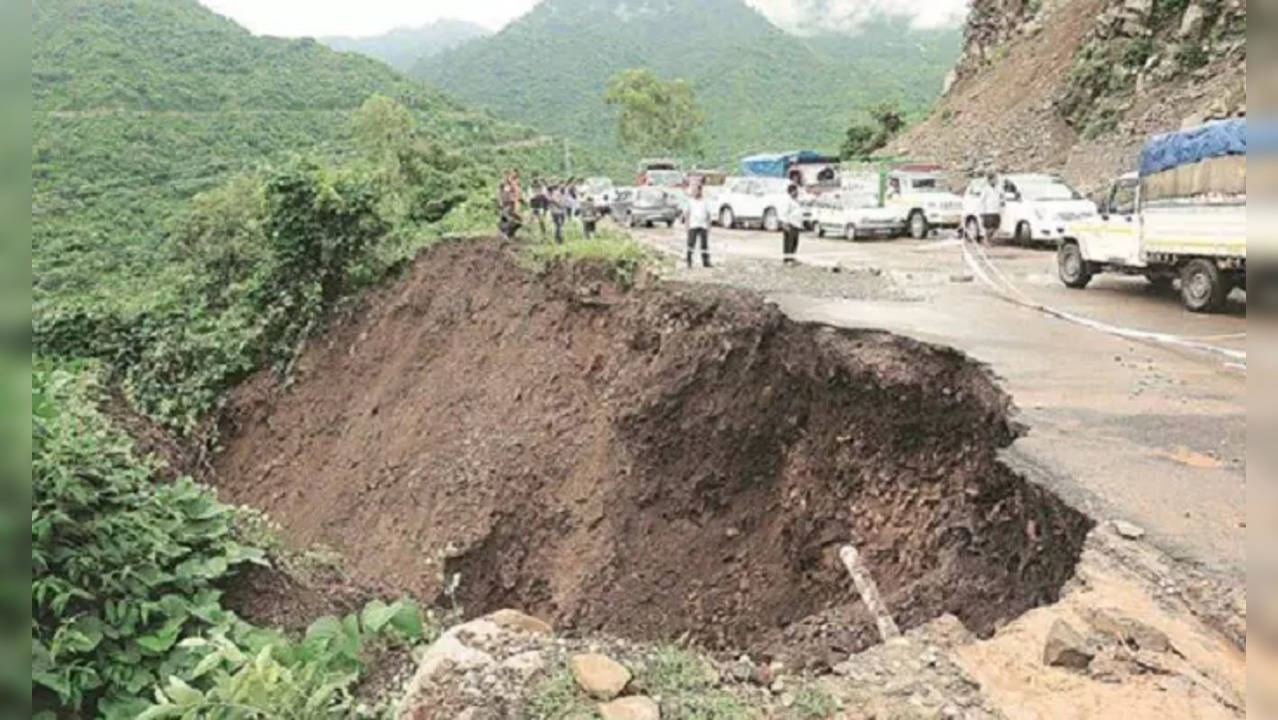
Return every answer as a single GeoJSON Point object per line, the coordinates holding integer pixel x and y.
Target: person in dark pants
{"type": "Point", "coordinates": [696, 216]}
{"type": "Point", "coordinates": [792, 225]}
{"type": "Point", "coordinates": [538, 203]}
{"type": "Point", "coordinates": [558, 203]}
{"type": "Point", "coordinates": [589, 217]}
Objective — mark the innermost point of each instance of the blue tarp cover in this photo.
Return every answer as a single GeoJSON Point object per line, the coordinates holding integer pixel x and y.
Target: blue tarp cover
{"type": "Point", "coordinates": [1185, 147]}
{"type": "Point", "coordinates": [775, 164]}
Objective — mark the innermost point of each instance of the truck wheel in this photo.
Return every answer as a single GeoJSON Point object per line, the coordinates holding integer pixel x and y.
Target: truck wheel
{"type": "Point", "coordinates": [670, 223]}
{"type": "Point", "coordinates": [1201, 287]}
{"type": "Point", "coordinates": [918, 225]}
{"type": "Point", "coordinates": [1071, 266]}
{"type": "Point", "coordinates": [726, 218]}
{"type": "Point", "coordinates": [770, 220]}
{"type": "Point", "coordinates": [1023, 233]}
{"type": "Point", "coordinates": [820, 230]}
{"type": "Point", "coordinates": [849, 232]}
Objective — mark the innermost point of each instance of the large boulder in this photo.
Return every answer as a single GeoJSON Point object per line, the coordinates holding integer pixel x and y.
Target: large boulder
{"type": "Point", "coordinates": [598, 675]}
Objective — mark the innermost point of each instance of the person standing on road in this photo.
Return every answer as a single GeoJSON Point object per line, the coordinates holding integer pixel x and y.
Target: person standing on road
{"type": "Point", "coordinates": [792, 225]}
{"type": "Point", "coordinates": [696, 217]}
{"type": "Point", "coordinates": [991, 209]}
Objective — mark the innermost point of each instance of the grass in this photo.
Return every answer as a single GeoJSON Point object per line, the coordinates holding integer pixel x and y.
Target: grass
{"type": "Point", "coordinates": [611, 246]}
{"type": "Point", "coordinates": [557, 698]}
{"type": "Point", "coordinates": [813, 702]}
{"type": "Point", "coordinates": [689, 689]}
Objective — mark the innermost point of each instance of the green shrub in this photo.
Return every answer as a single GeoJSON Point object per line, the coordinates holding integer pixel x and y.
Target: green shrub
{"type": "Point", "coordinates": [1190, 56]}
{"type": "Point", "coordinates": [122, 567]}
{"type": "Point", "coordinates": [612, 247]}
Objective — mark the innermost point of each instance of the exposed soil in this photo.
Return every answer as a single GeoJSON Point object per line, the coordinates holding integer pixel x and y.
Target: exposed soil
{"type": "Point", "coordinates": [665, 461]}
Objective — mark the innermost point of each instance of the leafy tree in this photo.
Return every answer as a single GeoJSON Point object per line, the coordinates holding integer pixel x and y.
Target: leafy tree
{"type": "Point", "coordinates": [656, 115]}
{"type": "Point", "coordinates": [862, 139]}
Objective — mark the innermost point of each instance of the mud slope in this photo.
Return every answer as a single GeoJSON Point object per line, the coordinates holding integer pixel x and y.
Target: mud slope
{"type": "Point", "coordinates": [673, 459]}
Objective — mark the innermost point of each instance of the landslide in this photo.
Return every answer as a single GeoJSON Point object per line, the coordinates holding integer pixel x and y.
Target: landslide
{"type": "Point", "coordinates": [1076, 86]}
{"type": "Point", "coordinates": [654, 462]}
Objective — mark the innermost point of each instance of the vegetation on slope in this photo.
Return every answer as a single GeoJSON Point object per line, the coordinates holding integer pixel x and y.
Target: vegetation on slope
{"type": "Point", "coordinates": [760, 88]}
{"type": "Point", "coordinates": [203, 201]}
{"type": "Point", "coordinates": [401, 48]}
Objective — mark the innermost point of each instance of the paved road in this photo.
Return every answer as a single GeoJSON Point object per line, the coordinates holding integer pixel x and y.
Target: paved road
{"type": "Point", "coordinates": [1121, 428]}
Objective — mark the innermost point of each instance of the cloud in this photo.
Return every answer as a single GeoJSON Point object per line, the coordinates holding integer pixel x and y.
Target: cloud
{"type": "Point", "coordinates": [812, 16]}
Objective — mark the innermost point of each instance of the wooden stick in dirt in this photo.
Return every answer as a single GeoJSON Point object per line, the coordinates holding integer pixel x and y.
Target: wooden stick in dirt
{"type": "Point", "coordinates": [869, 592]}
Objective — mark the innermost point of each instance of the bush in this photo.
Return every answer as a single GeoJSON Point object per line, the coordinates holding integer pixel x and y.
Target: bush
{"type": "Point", "coordinates": [121, 567]}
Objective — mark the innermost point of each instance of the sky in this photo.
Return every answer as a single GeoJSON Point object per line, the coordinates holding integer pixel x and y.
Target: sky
{"type": "Point", "coordinates": [296, 18]}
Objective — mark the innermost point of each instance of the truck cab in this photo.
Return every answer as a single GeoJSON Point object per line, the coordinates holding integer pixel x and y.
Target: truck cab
{"type": "Point", "coordinates": [922, 200]}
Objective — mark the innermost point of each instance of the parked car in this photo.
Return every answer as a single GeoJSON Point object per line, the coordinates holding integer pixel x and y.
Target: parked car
{"type": "Point", "coordinates": [1036, 207]}
{"type": "Point", "coordinates": [652, 205]}
{"type": "Point", "coordinates": [752, 200]}
{"type": "Point", "coordinates": [620, 205]}
{"type": "Point", "coordinates": [851, 216]}
{"type": "Point", "coordinates": [598, 190]}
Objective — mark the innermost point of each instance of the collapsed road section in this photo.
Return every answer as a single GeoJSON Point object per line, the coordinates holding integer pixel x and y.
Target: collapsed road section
{"type": "Point", "coordinates": [658, 462]}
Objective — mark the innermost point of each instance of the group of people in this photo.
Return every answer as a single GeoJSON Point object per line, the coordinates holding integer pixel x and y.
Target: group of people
{"type": "Point", "coordinates": [557, 199]}
{"type": "Point", "coordinates": [697, 214]}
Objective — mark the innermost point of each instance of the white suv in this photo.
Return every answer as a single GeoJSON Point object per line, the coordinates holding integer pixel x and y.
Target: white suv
{"type": "Point", "coordinates": [752, 200]}
{"type": "Point", "coordinates": [1036, 207]}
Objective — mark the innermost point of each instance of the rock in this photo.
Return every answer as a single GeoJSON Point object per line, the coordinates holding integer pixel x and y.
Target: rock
{"type": "Point", "coordinates": [1129, 530]}
{"type": "Point", "coordinates": [1065, 647]}
{"type": "Point", "coordinates": [787, 699]}
{"type": "Point", "coordinates": [762, 675]}
{"type": "Point", "coordinates": [599, 675]}
{"type": "Point", "coordinates": [1128, 631]}
{"type": "Point", "coordinates": [1191, 23]}
{"type": "Point", "coordinates": [1140, 7]}
{"type": "Point", "coordinates": [635, 707]}
{"type": "Point", "coordinates": [515, 620]}
{"type": "Point", "coordinates": [525, 664]}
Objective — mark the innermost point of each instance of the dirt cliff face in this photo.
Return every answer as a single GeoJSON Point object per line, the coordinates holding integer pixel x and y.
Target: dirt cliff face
{"type": "Point", "coordinates": [1075, 86]}
{"type": "Point", "coordinates": [653, 463]}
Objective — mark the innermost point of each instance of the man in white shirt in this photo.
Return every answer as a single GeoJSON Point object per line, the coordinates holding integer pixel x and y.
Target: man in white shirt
{"type": "Point", "coordinates": [696, 216]}
{"type": "Point", "coordinates": [792, 224]}
{"type": "Point", "coordinates": [991, 209]}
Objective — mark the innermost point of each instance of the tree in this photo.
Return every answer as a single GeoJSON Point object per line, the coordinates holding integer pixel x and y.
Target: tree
{"type": "Point", "coordinates": [862, 139]}
{"type": "Point", "coordinates": [656, 115]}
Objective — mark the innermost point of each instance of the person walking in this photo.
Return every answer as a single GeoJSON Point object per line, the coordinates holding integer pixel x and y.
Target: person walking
{"type": "Point", "coordinates": [696, 217]}
{"type": "Point", "coordinates": [792, 225]}
{"type": "Point", "coordinates": [508, 206]}
{"type": "Point", "coordinates": [991, 209]}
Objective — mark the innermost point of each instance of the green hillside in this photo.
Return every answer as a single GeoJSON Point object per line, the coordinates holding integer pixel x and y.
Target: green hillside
{"type": "Point", "coordinates": [760, 87]}
{"type": "Point", "coordinates": [203, 201]}
{"type": "Point", "coordinates": [140, 104]}
{"type": "Point", "coordinates": [401, 48]}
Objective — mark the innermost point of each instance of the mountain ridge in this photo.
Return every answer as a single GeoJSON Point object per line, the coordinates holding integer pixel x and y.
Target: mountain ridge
{"type": "Point", "coordinates": [402, 47]}
{"type": "Point", "coordinates": [760, 86]}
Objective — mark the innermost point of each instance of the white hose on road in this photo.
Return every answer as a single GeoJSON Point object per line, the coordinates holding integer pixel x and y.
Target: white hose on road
{"type": "Point", "coordinates": [978, 261]}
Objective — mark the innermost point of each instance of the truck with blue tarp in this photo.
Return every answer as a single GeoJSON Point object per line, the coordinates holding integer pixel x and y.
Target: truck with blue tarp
{"type": "Point", "coordinates": [1180, 218]}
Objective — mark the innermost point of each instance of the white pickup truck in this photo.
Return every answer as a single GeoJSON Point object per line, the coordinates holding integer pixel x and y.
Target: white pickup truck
{"type": "Point", "coordinates": [922, 202]}
{"type": "Point", "coordinates": [1183, 216]}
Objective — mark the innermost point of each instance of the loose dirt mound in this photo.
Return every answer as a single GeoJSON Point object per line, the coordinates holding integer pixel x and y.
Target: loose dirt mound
{"type": "Point", "coordinates": [669, 460]}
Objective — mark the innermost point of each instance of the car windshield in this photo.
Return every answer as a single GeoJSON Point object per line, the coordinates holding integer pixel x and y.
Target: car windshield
{"type": "Point", "coordinates": [598, 184]}
{"type": "Point", "coordinates": [1048, 190]}
{"type": "Point", "coordinates": [664, 177]}
{"type": "Point", "coordinates": [649, 196]}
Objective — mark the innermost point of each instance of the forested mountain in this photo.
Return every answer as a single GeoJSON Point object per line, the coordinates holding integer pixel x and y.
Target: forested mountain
{"type": "Point", "coordinates": [139, 104]}
{"type": "Point", "coordinates": [401, 48]}
{"type": "Point", "coordinates": [760, 87]}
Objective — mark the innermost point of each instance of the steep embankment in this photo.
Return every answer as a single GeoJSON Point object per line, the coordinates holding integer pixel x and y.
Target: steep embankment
{"type": "Point", "coordinates": [647, 463]}
{"type": "Point", "coordinates": [1076, 85]}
